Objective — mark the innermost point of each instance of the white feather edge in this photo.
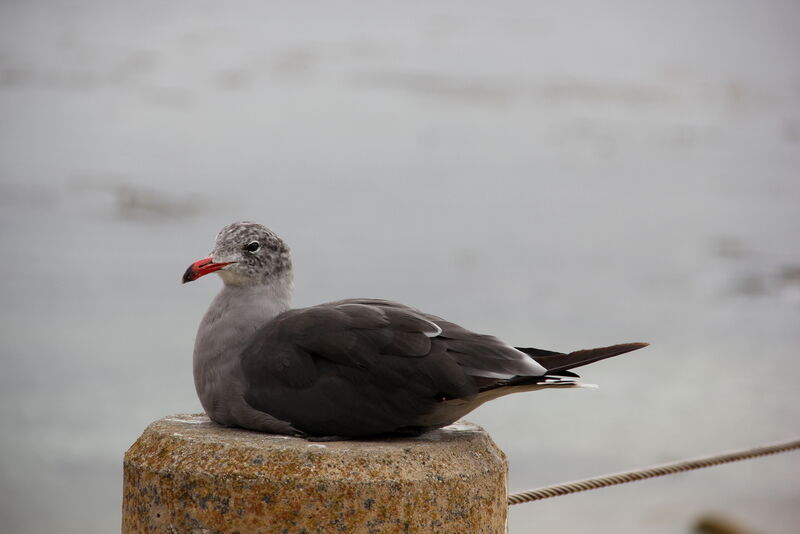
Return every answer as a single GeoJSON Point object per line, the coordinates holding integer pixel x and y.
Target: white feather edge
{"type": "Point", "coordinates": [436, 332]}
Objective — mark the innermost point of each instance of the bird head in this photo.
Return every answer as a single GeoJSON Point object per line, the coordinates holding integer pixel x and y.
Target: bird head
{"type": "Point", "coordinates": [245, 254]}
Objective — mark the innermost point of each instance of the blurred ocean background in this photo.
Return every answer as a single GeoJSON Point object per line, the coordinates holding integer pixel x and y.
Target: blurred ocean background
{"type": "Point", "coordinates": [562, 175]}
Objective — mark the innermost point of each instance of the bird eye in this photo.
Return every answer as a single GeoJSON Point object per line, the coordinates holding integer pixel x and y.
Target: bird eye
{"type": "Point", "coordinates": [253, 247]}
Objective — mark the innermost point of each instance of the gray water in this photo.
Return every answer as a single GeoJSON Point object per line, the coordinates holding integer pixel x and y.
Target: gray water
{"type": "Point", "coordinates": [562, 176]}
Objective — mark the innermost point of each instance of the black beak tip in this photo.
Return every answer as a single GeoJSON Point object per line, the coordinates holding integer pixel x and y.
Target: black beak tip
{"type": "Point", "coordinates": [188, 276]}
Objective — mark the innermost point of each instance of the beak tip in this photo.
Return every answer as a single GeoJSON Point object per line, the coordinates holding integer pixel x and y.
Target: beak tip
{"type": "Point", "coordinates": [189, 275]}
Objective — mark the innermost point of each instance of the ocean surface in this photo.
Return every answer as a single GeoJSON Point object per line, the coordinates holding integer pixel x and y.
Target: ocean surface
{"type": "Point", "coordinates": [560, 175]}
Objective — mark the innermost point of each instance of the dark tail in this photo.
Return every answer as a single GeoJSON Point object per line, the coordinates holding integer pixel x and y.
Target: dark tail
{"type": "Point", "coordinates": [557, 362]}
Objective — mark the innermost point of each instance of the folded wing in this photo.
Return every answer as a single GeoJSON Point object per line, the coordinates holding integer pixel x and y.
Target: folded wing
{"type": "Point", "coordinates": [361, 367]}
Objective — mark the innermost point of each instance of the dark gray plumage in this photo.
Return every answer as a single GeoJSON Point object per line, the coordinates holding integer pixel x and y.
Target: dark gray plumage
{"type": "Point", "coordinates": [351, 368]}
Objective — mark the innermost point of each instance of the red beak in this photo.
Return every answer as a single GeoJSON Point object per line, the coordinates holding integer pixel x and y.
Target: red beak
{"type": "Point", "coordinates": [202, 268]}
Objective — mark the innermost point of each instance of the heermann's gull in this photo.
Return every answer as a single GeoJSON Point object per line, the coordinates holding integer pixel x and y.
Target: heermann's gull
{"type": "Point", "coordinates": [355, 367]}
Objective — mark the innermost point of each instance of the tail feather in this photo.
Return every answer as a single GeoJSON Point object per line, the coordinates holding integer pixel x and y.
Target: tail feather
{"type": "Point", "coordinates": [557, 365]}
{"type": "Point", "coordinates": [556, 362]}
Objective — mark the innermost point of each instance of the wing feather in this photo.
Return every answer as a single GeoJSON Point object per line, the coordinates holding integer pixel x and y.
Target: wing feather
{"type": "Point", "coordinates": [363, 367]}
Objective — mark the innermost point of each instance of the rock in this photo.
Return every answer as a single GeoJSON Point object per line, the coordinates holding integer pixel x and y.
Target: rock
{"type": "Point", "coordinates": [718, 524]}
{"type": "Point", "coordinates": [186, 474]}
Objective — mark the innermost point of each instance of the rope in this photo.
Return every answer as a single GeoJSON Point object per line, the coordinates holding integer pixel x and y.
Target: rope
{"type": "Point", "coordinates": [649, 472]}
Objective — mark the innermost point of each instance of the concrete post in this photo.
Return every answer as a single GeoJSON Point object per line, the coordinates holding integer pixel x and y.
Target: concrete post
{"type": "Point", "coordinates": [186, 474]}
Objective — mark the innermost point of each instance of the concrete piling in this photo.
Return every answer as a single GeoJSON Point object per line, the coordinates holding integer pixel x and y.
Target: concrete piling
{"type": "Point", "coordinates": [186, 474]}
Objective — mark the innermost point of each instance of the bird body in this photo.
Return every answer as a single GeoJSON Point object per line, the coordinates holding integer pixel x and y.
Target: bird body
{"type": "Point", "coordinates": [350, 368]}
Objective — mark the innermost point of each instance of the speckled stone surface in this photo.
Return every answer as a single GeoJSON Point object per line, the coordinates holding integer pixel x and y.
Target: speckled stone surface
{"type": "Point", "coordinates": [186, 474]}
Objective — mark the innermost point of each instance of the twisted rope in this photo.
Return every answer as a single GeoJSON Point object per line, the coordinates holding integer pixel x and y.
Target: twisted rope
{"type": "Point", "coordinates": [649, 472]}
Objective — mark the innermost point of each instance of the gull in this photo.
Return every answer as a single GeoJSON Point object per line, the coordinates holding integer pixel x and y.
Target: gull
{"type": "Point", "coordinates": [347, 369]}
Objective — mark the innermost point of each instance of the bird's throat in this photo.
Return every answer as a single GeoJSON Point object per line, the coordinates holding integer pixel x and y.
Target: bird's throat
{"type": "Point", "coordinates": [228, 327]}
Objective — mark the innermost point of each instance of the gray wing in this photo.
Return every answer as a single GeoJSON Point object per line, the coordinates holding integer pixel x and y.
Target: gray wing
{"type": "Point", "coordinates": [363, 367]}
